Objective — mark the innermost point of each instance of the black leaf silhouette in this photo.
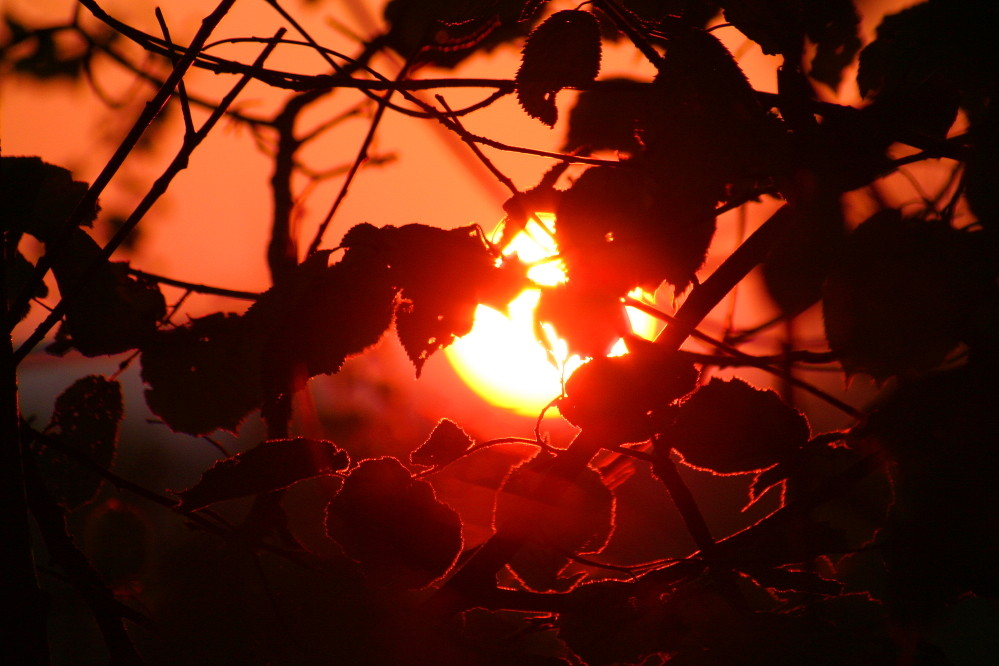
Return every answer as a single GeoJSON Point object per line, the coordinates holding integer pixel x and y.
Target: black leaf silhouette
{"type": "Point", "coordinates": [562, 52]}
{"type": "Point", "coordinates": [616, 396]}
{"type": "Point", "coordinates": [581, 521]}
{"type": "Point", "coordinates": [622, 227]}
{"type": "Point", "coordinates": [18, 272]}
{"type": "Point", "coordinates": [271, 465]}
{"type": "Point", "coordinates": [113, 311]}
{"type": "Point", "coordinates": [446, 444]}
{"type": "Point", "coordinates": [86, 419]}
{"type": "Point", "coordinates": [442, 276]}
{"type": "Point", "coordinates": [609, 118]}
{"type": "Point", "coordinates": [393, 525]}
{"type": "Point", "coordinates": [588, 318]}
{"type": "Point", "coordinates": [203, 376]}
{"type": "Point", "coordinates": [38, 197]}
{"type": "Point", "coordinates": [900, 297]}
{"type": "Point", "coordinates": [730, 427]}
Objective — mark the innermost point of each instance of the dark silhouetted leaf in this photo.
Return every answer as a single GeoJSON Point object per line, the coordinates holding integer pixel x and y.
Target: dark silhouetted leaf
{"type": "Point", "coordinates": [442, 276]}
{"type": "Point", "coordinates": [562, 52]}
{"type": "Point", "coordinates": [446, 444]}
{"type": "Point", "coordinates": [899, 299]}
{"type": "Point", "coordinates": [394, 526]}
{"type": "Point", "coordinates": [445, 32]}
{"type": "Point", "coordinates": [608, 118]}
{"type": "Point", "coordinates": [18, 272]}
{"type": "Point", "coordinates": [800, 260]}
{"type": "Point", "coordinates": [38, 197]}
{"type": "Point", "coordinates": [706, 133]}
{"type": "Point", "coordinates": [621, 227]}
{"type": "Point", "coordinates": [730, 427]}
{"type": "Point", "coordinates": [581, 520]}
{"type": "Point", "coordinates": [109, 311]}
{"type": "Point", "coordinates": [588, 318]}
{"type": "Point", "coordinates": [203, 376]}
{"type": "Point", "coordinates": [318, 316]}
{"type": "Point", "coordinates": [780, 27]}
{"type": "Point", "coordinates": [269, 466]}
{"type": "Point", "coordinates": [86, 419]}
{"type": "Point", "coordinates": [615, 396]}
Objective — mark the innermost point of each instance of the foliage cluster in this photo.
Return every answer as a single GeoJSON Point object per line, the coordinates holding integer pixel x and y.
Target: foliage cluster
{"type": "Point", "coordinates": [885, 531]}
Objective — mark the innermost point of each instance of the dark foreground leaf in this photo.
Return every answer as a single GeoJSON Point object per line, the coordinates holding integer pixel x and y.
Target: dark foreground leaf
{"type": "Point", "coordinates": [562, 52]}
{"type": "Point", "coordinates": [269, 466]}
{"type": "Point", "coordinates": [394, 526]}
{"type": "Point", "coordinates": [579, 520]}
{"type": "Point", "coordinates": [446, 444]}
{"type": "Point", "coordinates": [730, 427]}
{"type": "Point", "coordinates": [86, 419]}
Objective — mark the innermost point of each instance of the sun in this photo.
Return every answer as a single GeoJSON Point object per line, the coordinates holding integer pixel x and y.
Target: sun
{"type": "Point", "coordinates": [501, 358]}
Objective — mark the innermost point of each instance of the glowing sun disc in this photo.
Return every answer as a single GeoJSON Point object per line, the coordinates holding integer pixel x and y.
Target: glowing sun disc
{"type": "Point", "coordinates": [501, 360]}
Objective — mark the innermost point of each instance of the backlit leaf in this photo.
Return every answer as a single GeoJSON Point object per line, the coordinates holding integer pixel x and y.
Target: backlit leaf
{"type": "Point", "coordinates": [18, 270]}
{"type": "Point", "coordinates": [900, 297]}
{"type": "Point", "coordinates": [446, 444]}
{"type": "Point", "coordinates": [608, 118]}
{"type": "Point", "coordinates": [616, 396]}
{"type": "Point", "coordinates": [562, 52]}
{"type": "Point", "coordinates": [800, 260]}
{"type": "Point", "coordinates": [588, 318]}
{"type": "Point", "coordinates": [730, 427]}
{"type": "Point", "coordinates": [579, 520]}
{"type": "Point", "coordinates": [393, 525]}
{"type": "Point", "coordinates": [622, 227]}
{"type": "Point", "coordinates": [86, 419]}
{"type": "Point", "coordinates": [203, 376]}
{"type": "Point", "coordinates": [38, 197]}
{"type": "Point", "coordinates": [442, 276]}
{"type": "Point", "coordinates": [109, 311]}
{"type": "Point", "coordinates": [271, 465]}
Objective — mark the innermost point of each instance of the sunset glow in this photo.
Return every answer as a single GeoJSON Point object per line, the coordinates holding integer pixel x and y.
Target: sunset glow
{"type": "Point", "coordinates": [502, 360]}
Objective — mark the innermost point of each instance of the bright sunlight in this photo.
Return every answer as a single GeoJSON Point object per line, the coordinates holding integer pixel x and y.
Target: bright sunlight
{"type": "Point", "coordinates": [502, 359]}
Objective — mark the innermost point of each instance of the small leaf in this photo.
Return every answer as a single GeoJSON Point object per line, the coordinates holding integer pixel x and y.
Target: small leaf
{"type": "Point", "coordinates": [581, 520]}
{"type": "Point", "coordinates": [203, 376]}
{"type": "Point", "coordinates": [446, 444]}
{"type": "Point", "coordinates": [38, 197]}
{"type": "Point", "coordinates": [113, 312]}
{"type": "Point", "coordinates": [271, 465]}
{"type": "Point", "coordinates": [393, 526]}
{"type": "Point", "coordinates": [86, 419]}
{"type": "Point", "coordinates": [730, 427]}
{"type": "Point", "coordinates": [562, 52]}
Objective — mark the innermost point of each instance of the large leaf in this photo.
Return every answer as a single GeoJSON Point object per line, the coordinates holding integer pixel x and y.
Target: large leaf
{"type": "Point", "coordinates": [730, 427]}
{"type": "Point", "coordinates": [797, 265]}
{"type": "Point", "coordinates": [17, 273]}
{"type": "Point", "coordinates": [580, 520]}
{"type": "Point", "coordinates": [562, 52]}
{"type": "Point", "coordinates": [86, 419]}
{"type": "Point", "coordinates": [622, 396]}
{"type": "Point", "coordinates": [902, 294]}
{"type": "Point", "coordinates": [442, 276]}
{"type": "Point", "coordinates": [394, 526]}
{"type": "Point", "coordinates": [623, 227]}
{"type": "Point", "coordinates": [609, 117]}
{"type": "Point", "coordinates": [590, 319]}
{"type": "Point", "coordinates": [269, 466]}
